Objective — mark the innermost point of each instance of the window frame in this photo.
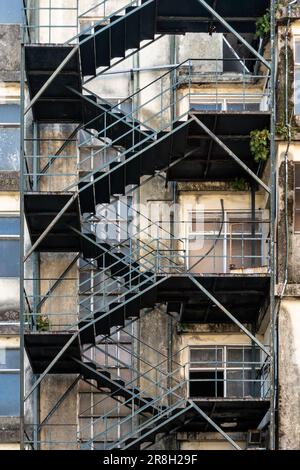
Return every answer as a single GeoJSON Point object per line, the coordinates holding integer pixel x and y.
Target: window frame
{"type": "Point", "coordinates": [219, 99]}
{"type": "Point", "coordinates": [226, 234]}
{"type": "Point", "coordinates": [11, 125]}
{"type": "Point", "coordinates": [224, 368]}
{"type": "Point", "coordinates": [14, 215]}
{"type": "Point", "coordinates": [11, 372]}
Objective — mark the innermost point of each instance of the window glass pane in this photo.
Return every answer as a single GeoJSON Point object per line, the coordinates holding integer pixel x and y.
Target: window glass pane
{"type": "Point", "coordinates": [9, 149]}
{"type": "Point", "coordinates": [297, 91]}
{"type": "Point", "coordinates": [297, 52]}
{"type": "Point", "coordinates": [9, 258]}
{"type": "Point", "coordinates": [9, 358]}
{"type": "Point", "coordinates": [9, 113]}
{"type": "Point", "coordinates": [242, 357]}
{"type": "Point", "coordinates": [206, 358]}
{"type": "Point", "coordinates": [206, 384]}
{"type": "Point", "coordinates": [11, 11]}
{"type": "Point", "coordinates": [243, 383]}
{"type": "Point", "coordinates": [9, 394]}
{"type": "Point", "coordinates": [243, 106]}
{"type": "Point", "coordinates": [9, 226]}
{"type": "Point", "coordinates": [206, 106]}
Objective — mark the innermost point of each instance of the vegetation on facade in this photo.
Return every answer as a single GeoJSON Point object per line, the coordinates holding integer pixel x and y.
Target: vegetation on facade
{"type": "Point", "coordinates": [263, 25]}
{"type": "Point", "coordinates": [42, 323]}
{"type": "Point", "coordinates": [285, 132]}
{"type": "Point", "coordinates": [240, 184]}
{"type": "Point", "coordinates": [260, 144]}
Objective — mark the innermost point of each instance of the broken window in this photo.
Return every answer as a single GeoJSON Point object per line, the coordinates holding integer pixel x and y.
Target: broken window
{"type": "Point", "coordinates": [227, 371]}
{"type": "Point", "coordinates": [297, 198]}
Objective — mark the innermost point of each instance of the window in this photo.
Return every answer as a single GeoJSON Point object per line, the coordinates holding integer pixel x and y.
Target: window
{"type": "Point", "coordinates": [226, 104]}
{"type": "Point", "coordinates": [297, 197]}
{"type": "Point", "coordinates": [226, 371]}
{"type": "Point", "coordinates": [11, 11]}
{"type": "Point", "coordinates": [297, 76]}
{"type": "Point", "coordinates": [9, 246]}
{"type": "Point", "coordinates": [225, 242]}
{"type": "Point", "coordinates": [9, 382]}
{"type": "Point", "coordinates": [9, 137]}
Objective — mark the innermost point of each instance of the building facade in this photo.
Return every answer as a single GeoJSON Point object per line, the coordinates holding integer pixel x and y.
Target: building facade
{"type": "Point", "coordinates": [160, 202]}
{"type": "Point", "coordinates": [10, 33]}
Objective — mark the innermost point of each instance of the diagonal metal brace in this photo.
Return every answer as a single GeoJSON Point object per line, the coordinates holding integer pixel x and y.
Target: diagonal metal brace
{"type": "Point", "coordinates": [231, 153]}
{"type": "Point", "coordinates": [235, 33]}
{"type": "Point", "coordinates": [232, 317]}
{"type": "Point", "coordinates": [210, 421]}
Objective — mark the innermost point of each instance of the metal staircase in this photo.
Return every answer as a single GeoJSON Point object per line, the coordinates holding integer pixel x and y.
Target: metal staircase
{"type": "Point", "coordinates": [141, 146]}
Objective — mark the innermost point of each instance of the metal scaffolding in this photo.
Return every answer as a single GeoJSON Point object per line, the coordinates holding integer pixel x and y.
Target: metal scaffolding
{"type": "Point", "coordinates": [76, 187]}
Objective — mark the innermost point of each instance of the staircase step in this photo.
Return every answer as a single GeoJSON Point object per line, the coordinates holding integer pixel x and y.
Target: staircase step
{"type": "Point", "coordinates": [105, 259]}
{"type": "Point", "coordinates": [87, 55]}
{"type": "Point", "coordinates": [102, 327]}
{"type": "Point", "coordinates": [89, 250]}
{"type": "Point", "coordinates": [132, 308]}
{"type": "Point", "coordinates": [117, 179]}
{"type": "Point", "coordinates": [102, 189]}
{"type": "Point", "coordinates": [117, 318]}
{"type": "Point", "coordinates": [163, 150]}
{"type": "Point", "coordinates": [148, 21]}
{"type": "Point", "coordinates": [119, 268]}
{"type": "Point", "coordinates": [102, 44]}
{"type": "Point", "coordinates": [148, 157]}
{"type": "Point", "coordinates": [91, 112]}
{"type": "Point", "coordinates": [132, 29]}
{"type": "Point", "coordinates": [87, 336]}
{"type": "Point", "coordinates": [179, 139]}
{"type": "Point", "coordinates": [148, 299]}
{"type": "Point", "coordinates": [117, 37]}
{"type": "Point", "coordinates": [133, 446]}
{"type": "Point", "coordinates": [118, 390]}
{"type": "Point", "coordinates": [86, 198]}
{"type": "Point", "coordinates": [132, 169]}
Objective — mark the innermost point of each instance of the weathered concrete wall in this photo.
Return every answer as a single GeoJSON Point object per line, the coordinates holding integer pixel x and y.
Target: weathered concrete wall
{"type": "Point", "coordinates": [10, 52]}
{"type": "Point", "coordinates": [289, 374]}
{"type": "Point", "coordinates": [60, 431]}
{"type": "Point", "coordinates": [294, 238]}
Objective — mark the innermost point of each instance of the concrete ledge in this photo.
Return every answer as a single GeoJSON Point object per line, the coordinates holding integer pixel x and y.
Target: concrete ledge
{"type": "Point", "coordinates": [9, 429]}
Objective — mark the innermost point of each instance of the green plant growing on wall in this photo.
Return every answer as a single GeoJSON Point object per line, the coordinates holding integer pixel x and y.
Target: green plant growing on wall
{"type": "Point", "coordinates": [263, 25]}
{"type": "Point", "coordinates": [240, 184]}
{"type": "Point", "coordinates": [42, 323]}
{"type": "Point", "coordinates": [260, 144]}
{"type": "Point", "coordinates": [283, 131]}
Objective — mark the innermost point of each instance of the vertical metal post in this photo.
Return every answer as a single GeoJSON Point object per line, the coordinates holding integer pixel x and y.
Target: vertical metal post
{"type": "Point", "coordinates": [253, 224]}
{"type": "Point", "coordinates": [21, 293]}
{"type": "Point", "coordinates": [273, 233]}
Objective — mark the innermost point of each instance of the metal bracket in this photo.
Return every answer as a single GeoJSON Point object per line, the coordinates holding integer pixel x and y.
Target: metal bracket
{"type": "Point", "coordinates": [233, 31]}
{"type": "Point", "coordinates": [231, 154]}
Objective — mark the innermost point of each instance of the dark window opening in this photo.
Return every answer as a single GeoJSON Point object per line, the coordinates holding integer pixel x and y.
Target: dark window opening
{"type": "Point", "coordinates": [206, 384]}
